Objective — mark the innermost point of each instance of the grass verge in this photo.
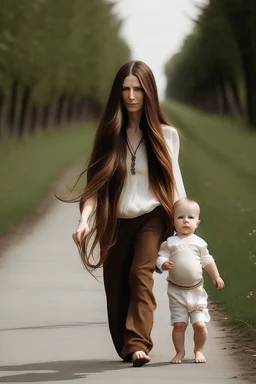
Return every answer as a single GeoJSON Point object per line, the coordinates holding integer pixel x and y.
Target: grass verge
{"type": "Point", "coordinates": [29, 166]}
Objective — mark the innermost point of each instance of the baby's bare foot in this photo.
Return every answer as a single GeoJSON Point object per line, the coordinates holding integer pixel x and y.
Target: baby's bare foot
{"type": "Point", "coordinates": [199, 357]}
{"type": "Point", "coordinates": [178, 358]}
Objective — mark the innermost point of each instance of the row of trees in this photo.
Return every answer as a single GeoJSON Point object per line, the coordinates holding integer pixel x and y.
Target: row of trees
{"type": "Point", "coordinates": [57, 60]}
{"type": "Point", "coordinates": [216, 68]}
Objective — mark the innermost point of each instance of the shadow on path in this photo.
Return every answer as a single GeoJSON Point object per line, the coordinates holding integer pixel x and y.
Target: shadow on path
{"type": "Point", "coordinates": [63, 370]}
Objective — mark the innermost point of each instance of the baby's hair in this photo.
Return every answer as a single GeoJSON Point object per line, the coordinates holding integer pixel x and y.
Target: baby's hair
{"type": "Point", "coordinates": [186, 200]}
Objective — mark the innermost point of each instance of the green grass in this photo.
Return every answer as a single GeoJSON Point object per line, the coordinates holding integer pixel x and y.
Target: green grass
{"type": "Point", "coordinates": [28, 167]}
{"type": "Point", "coordinates": [218, 160]}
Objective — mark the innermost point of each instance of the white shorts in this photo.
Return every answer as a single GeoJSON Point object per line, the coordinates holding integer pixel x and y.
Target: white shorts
{"type": "Point", "coordinates": [182, 303]}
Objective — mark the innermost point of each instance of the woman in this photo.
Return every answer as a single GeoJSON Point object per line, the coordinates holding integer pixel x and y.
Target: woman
{"type": "Point", "coordinates": [133, 179]}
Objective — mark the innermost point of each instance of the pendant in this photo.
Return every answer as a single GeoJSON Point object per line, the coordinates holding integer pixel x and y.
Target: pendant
{"type": "Point", "coordinates": [133, 165]}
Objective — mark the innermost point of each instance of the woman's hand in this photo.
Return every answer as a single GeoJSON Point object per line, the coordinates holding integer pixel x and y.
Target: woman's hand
{"type": "Point", "coordinates": [82, 231]}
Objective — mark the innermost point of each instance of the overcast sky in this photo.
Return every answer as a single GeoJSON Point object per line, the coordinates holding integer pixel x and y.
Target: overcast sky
{"type": "Point", "coordinates": [155, 29]}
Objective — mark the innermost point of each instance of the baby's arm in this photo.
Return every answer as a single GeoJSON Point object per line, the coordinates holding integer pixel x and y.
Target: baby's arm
{"type": "Point", "coordinates": [210, 266]}
{"type": "Point", "coordinates": [214, 273]}
{"type": "Point", "coordinates": [162, 262]}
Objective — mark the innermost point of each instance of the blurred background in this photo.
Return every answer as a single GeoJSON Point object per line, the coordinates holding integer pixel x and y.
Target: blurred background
{"type": "Point", "coordinates": [57, 62]}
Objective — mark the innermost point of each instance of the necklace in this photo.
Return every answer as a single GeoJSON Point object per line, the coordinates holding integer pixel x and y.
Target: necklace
{"type": "Point", "coordinates": [133, 154]}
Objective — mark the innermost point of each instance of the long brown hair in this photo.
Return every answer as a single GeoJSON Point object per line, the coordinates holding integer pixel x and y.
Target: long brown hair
{"type": "Point", "coordinates": [106, 172]}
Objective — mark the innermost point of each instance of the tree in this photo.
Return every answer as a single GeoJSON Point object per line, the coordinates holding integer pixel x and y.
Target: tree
{"type": "Point", "coordinates": [215, 58]}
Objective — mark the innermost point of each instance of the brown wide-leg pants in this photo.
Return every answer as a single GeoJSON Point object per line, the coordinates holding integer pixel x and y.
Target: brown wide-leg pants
{"type": "Point", "coordinates": [128, 279]}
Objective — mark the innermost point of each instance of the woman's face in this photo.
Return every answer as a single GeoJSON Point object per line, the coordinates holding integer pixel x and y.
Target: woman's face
{"type": "Point", "coordinates": [132, 94]}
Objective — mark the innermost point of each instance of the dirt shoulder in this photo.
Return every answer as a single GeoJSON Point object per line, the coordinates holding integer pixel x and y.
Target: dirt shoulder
{"type": "Point", "coordinates": [241, 346]}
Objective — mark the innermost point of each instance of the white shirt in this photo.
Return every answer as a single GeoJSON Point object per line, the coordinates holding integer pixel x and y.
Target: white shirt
{"type": "Point", "coordinates": [189, 255]}
{"type": "Point", "coordinates": [137, 197]}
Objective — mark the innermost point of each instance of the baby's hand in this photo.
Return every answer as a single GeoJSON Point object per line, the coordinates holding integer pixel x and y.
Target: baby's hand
{"type": "Point", "coordinates": [218, 282]}
{"type": "Point", "coordinates": [167, 265]}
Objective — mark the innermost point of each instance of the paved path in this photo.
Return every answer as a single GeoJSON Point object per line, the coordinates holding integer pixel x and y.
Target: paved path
{"type": "Point", "coordinates": [53, 325]}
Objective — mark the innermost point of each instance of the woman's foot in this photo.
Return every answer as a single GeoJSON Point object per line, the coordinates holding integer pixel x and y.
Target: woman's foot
{"type": "Point", "coordinates": [140, 358]}
{"type": "Point", "coordinates": [199, 357]}
{"type": "Point", "coordinates": [178, 358]}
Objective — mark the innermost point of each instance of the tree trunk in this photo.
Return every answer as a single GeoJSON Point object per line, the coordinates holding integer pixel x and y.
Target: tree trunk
{"type": "Point", "coordinates": [60, 110]}
{"type": "Point", "coordinates": [33, 118]}
{"type": "Point", "coordinates": [24, 110]}
{"type": "Point", "coordinates": [70, 109]}
{"type": "Point", "coordinates": [236, 98]}
{"type": "Point", "coordinates": [45, 116]}
{"type": "Point", "coordinates": [2, 122]}
{"type": "Point", "coordinates": [13, 107]}
{"type": "Point", "coordinates": [250, 83]}
{"type": "Point", "coordinates": [79, 108]}
{"type": "Point", "coordinates": [224, 99]}
{"type": "Point", "coordinates": [52, 113]}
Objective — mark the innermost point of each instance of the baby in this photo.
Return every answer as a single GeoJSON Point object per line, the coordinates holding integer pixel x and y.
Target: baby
{"type": "Point", "coordinates": [184, 255]}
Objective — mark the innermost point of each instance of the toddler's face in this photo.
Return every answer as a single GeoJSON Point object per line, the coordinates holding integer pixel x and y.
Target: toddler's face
{"type": "Point", "coordinates": [186, 218]}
